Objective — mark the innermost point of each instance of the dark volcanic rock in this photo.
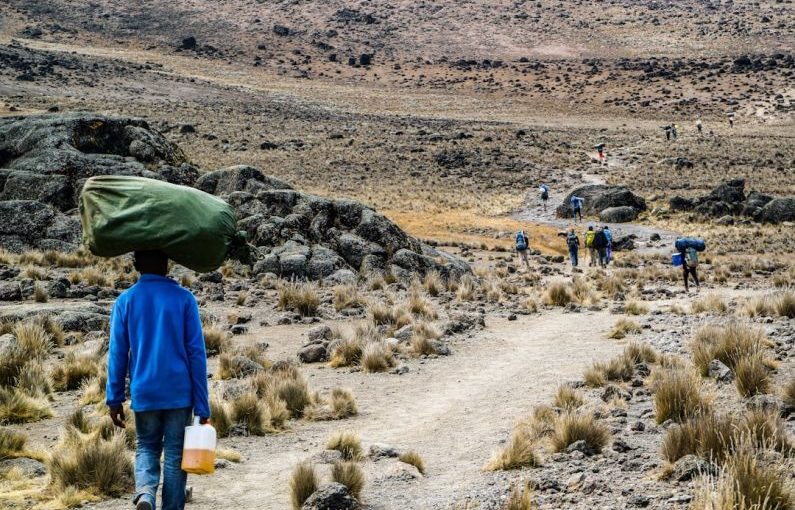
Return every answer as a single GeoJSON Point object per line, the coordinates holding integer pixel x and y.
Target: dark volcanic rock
{"type": "Point", "coordinates": [333, 496]}
{"type": "Point", "coordinates": [778, 210]}
{"type": "Point", "coordinates": [27, 224]}
{"type": "Point", "coordinates": [621, 214]}
{"type": "Point", "coordinates": [48, 157]}
{"type": "Point", "coordinates": [598, 197]}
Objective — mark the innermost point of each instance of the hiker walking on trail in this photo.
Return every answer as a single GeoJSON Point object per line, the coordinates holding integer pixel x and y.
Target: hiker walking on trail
{"type": "Point", "coordinates": [689, 265]}
{"type": "Point", "coordinates": [156, 337]}
{"type": "Point", "coordinates": [576, 207]}
{"type": "Point", "coordinates": [600, 245]}
{"type": "Point", "coordinates": [522, 244]}
{"type": "Point", "coordinates": [731, 119]}
{"type": "Point", "coordinates": [667, 130]}
{"type": "Point", "coordinates": [699, 126]}
{"type": "Point", "coordinates": [600, 153]}
{"type": "Point", "coordinates": [589, 236]}
{"type": "Point", "coordinates": [544, 190]}
{"type": "Point", "coordinates": [673, 131]}
{"type": "Point", "coordinates": [609, 236]}
{"type": "Point", "coordinates": [573, 242]}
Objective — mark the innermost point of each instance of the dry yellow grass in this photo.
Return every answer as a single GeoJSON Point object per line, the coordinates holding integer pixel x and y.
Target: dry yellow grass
{"type": "Point", "coordinates": [568, 398]}
{"type": "Point", "coordinates": [350, 475]}
{"type": "Point", "coordinates": [572, 427]}
{"type": "Point", "coordinates": [518, 453]}
{"type": "Point", "coordinates": [89, 462]}
{"type": "Point", "coordinates": [347, 443]}
{"type": "Point", "coordinates": [623, 327]}
{"type": "Point", "coordinates": [413, 458]}
{"type": "Point", "coordinates": [303, 482]}
{"type": "Point", "coordinates": [677, 395]}
{"type": "Point", "coordinates": [520, 499]}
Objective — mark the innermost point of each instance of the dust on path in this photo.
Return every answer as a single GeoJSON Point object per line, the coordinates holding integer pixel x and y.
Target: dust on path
{"type": "Point", "coordinates": [454, 411]}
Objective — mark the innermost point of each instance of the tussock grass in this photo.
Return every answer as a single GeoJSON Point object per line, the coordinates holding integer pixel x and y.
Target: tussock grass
{"type": "Point", "coordinates": [347, 443]}
{"type": "Point", "coordinates": [242, 298]}
{"type": "Point", "coordinates": [377, 357]}
{"type": "Point", "coordinates": [788, 395]}
{"type": "Point", "coordinates": [766, 429]}
{"type": "Point", "coordinates": [620, 368]}
{"type": "Point", "coordinates": [299, 297]}
{"type": "Point", "coordinates": [40, 294]}
{"type": "Point", "coordinates": [710, 303]}
{"type": "Point", "coordinates": [467, 288]}
{"type": "Point", "coordinates": [623, 327]}
{"type": "Point", "coordinates": [707, 435]}
{"type": "Point", "coordinates": [347, 296]}
{"type": "Point", "coordinates": [638, 352]}
{"type": "Point", "coordinates": [747, 482]}
{"type": "Point", "coordinates": [12, 443]}
{"type": "Point", "coordinates": [246, 409]}
{"type": "Point", "coordinates": [285, 391]}
{"type": "Point", "coordinates": [343, 403]}
{"type": "Point", "coordinates": [729, 344]}
{"type": "Point", "coordinates": [233, 365]}
{"type": "Point", "coordinates": [571, 427]}
{"type": "Point", "coordinates": [568, 398]}
{"type": "Point", "coordinates": [780, 304]}
{"type": "Point", "coordinates": [33, 380]}
{"type": "Point", "coordinates": [612, 285]}
{"type": "Point", "coordinates": [420, 306]}
{"type": "Point", "coordinates": [421, 345]}
{"type": "Point", "coordinates": [303, 483]}
{"type": "Point", "coordinates": [677, 395]}
{"type": "Point", "coordinates": [558, 293]}
{"type": "Point", "coordinates": [74, 371]}
{"type": "Point", "coordinates": [216, 340]}
{"type": "Point", "coordinates": [434, 284]}
{"type": "Point", "coordinates": [346, 353]}
{"type": "Point", "coordinates": [383, 314]}
{"type": "Point", "coordinates": [89, 462]}
{"type": "Point", "coordinates": [16, 406]}
{"type": "Point", "coordinates": [294, 391]}
{"type": "Point", "coordinates": [93, 390]}
{"type": "Point", "coordinates": [633, 307]}
{"type": "Point", "coordinates": [90, 276]}
{"type": "Point", "coordinates": [752, 376]}
{"type": "Point", "coordinates": [350, 475]}
{"type": "Point", "coordinates": [518, 453]}
{"type": "Point", "coordinates": [230, 455]}
{"type": "Point", "coordinates": [520, 499]}
{"type": "Point", "coordinates": [33, 344]}
{"type": "Point", "coordinates": [413, 458]}
{"type": "Point", "coordinates": [219, 412]}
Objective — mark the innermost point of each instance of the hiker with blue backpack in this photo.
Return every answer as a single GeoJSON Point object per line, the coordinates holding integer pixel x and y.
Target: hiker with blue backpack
{"type": "Point", "coordinates": [576, 207]}
{"type": "Point", "coordinates": [544, 189]}
{"type": "Point", "coordinates": [609, 236]}
{"type": "Point", "coordinates": [687, 255]}
{"type": "Point", "coordinates": [522, 244]}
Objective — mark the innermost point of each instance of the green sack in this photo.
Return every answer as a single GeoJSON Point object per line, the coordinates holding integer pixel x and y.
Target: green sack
{"type": "Point", "coordinates": [121, 214]}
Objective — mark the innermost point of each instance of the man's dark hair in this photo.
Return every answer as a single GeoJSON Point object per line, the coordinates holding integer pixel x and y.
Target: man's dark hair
{"type": "Point", "coordinates": [151, 262]}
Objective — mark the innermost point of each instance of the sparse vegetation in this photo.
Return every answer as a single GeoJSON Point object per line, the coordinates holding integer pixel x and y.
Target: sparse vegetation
{"type": "Point", "coordinates": [350, 475]}
{"type": "Point", "coordinates": [347, 443]}
{"type": "Point", "coordinates": [520, 499]}
{"type": "Point", "coordinates": [74, 371]}
{"type": "Point", "coordinates": [677, 395]}
{"type": "Point", "coordinates": [752, 376]}
{"type": "Point", "coordinates": [633, 307]}
{"type": "Point", "coordinates": [303, 483]}
{"type": "Point", "coordinates": [216, 340]}
{"type": "Point", "coordinates": [710, 303]}
{"type": "Point", "coordinates": [343, 403]}
{"type": "Point", "coordinates": [92, 463]}
{"type": "Point", "coordinates": [568, 398]}
{"type": "Point", "coordinates": [571, 427]}
{"type": "Point", "coordinates": [377, 357]}
{"type": "Point", "coordinates": [413, 458]}
{"type": "Point", "coordinates": [11, 443]}
{"type": "Point", "coordinates": [518, 453]}
{"type": "Point", "coordinates": [558, 294]}
{"type": "Point", "coordinates": [299, 297]}
{"type": "Point", "coordinates": [623, 327]}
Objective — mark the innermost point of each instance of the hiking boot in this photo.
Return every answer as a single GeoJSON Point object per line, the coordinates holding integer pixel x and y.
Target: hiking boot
{"type": "Point", "coordinates": [143, 505]}
{"type": "Point", "coordinates": [188, 494]}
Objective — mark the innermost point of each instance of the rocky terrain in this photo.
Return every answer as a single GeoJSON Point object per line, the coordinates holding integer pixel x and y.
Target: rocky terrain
{"type": "Point", "coordinates": [387, 349]}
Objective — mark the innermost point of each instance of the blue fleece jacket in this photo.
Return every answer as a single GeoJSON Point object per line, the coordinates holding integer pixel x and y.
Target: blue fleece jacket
{"type": "Point", "coordinates": [156, 337]}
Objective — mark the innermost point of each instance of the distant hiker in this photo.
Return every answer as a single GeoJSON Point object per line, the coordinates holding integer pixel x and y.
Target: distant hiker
{"type": "Point", "coordinates": [589, 238]}
{"type": "Point", "coordinates": [673, 131]}
{"type": "Point", "coordinates": [573, 242]}
{"type": "Point", "coordinates": [156, 337]}
{"type": "Point", "coordinates": [730, 115]}
{"type": "Point", "coordinates": [609, 236]}
{"type": "Point", "coordinates": [689, 265]}
{"type": "Point", "coordinates": [699, 126]}
{"type": "Point", "coordinates": [600, 152]}
{"type": "Point", "coordinates": [522, 244]}
{"type": "Point", "coordinates": [667, 130]}
{"type": "Point", "coordinates": [600, 245]}
{"type": "Point", "coordinates": [576, 207]}
{"type": "Point", "coordinates": [544, 190]}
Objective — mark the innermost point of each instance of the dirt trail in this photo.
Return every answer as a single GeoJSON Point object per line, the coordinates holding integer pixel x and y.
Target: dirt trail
{"type": "Point", "coordinates": [453, 411]}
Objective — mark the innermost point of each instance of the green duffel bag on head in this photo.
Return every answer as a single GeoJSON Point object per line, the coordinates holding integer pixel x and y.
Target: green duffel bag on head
{"type": "Point", "coordinates": [121, 214]}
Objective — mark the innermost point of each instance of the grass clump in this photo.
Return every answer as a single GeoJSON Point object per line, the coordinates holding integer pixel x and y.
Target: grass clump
{"type": "Point", "coordinates": [89, 462]}
{"type": "Point", "coordinates": [350, 475]}
{"type": "Point", "coordinates": [377, 357]}
{"type": "Point", "coordinates": [728, 344]}
{"type": "Point", "coordinates": [420, 306]}
{"type": "Point", "coordinates": [220, 417]}
{"type": "Point", "coordinates": [677, 395]}
{"type": "Point", "coordinates": [346, 353]}
{"type": "Point", "coordinates": [303, 483]}
{"type": "Point", "coordinates": [300, 297]}
{"type": "Point", "coordinates": [16, 406]}
{"type": "Point", "coordinates": [12, 443]}
{"type": "Point", "coordinates": [413, 458]}
{"type": "Point", "coordinates": [467, 288]}
{"type": "Point", "coordinates": [347, 443]}
{"type": "Point", "coordinates": [633, 307]}
{"type": "Point", "coordinates": [518, 453]}
{"type": "Point", "coordinates": [568, 398]}
{"type": "Point", "coordinates": [558, 294]}
{"type": "Point", "coordinates": [572, 427]}
{"type": "Point", "coordinates": [623, 327]}
{"type": "Point", "coordinates": [752, 376]}
{"type": "Point", "coordinates": [709, 303]}
{"type": "Point", "coordinates": [343, 403]}
{"type": "Point", "coordinates": [74, 371]}
{"type": "Point", "coordinates": [434, 284]}
{"type": "Point", "coordinates": [248, 410]}
{"type": "Point", "coordinates": [520, 499]}
{"type": "Point", "coordinates": [789, 393]}
{"type": "Point", "coordinates": [216, 340]}
{"type": "Point", "coordinates": [40, 294]}
{"type": "Point", "coordinates": [347, 296]}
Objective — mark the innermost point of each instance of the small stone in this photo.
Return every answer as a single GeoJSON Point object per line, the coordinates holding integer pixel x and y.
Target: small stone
{"type": "Point", "coordinates": [382, 451]}
{"type": "Point", "coordinates": [719, 371]}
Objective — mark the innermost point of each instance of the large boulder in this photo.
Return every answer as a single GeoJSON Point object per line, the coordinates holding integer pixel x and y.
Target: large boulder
{"type": "Point", "coordinates": [333, 496]}
{"type": "Point", "coordinates": [28, 224]}
{"type": "Point", "coordinates": [238, 178]}
{"type": "Point", "coordinates": [598, 197]}
{"type": "Point", "coordinates": [778, 210]}
{"type": "Point", "coordinates": [622, 214]}
{"type": "Point", "coordinates": [730, 192]}
{"type": "Point", "coordinates": [47, 158]}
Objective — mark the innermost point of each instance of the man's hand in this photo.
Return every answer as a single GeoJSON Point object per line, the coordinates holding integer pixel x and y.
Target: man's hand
{"type": "Point", "coordinates": [117, 416]}
{"type": "Point", "coordinates": [204, 421]}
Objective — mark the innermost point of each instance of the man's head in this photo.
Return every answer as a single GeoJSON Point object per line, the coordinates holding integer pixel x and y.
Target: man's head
{"type": "Point", "coordinates": [151, 262]}
{"type": "Point", "coordinates": [590, 227]}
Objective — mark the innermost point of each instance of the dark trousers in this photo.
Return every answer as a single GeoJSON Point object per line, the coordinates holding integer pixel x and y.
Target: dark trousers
{"type": "Point", "coordinates": [573, 251]}
{"type": "Point", "coordinates": [689, 270]}
{"type": "Point", "coordinates": [577, 212]}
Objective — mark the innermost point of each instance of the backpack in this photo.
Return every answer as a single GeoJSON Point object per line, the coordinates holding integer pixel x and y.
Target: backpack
{"type": "Point", "coordinates": [589, 237]}
{"type": "Point", "coordinates": [544, 194]}
{"type": "Point", "coordinates": [521, 241]}
{"type": "Point", "coordinates": [691, 257]}
{"type": "Point", "coordinates": [572, 240]}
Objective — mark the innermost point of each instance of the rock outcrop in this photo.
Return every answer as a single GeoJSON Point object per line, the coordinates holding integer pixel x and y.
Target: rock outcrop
{"type": "Point", "coordinates": [308, 236]}
{"type": "Point", "coordinates": [598, 197]}
{"type": "Point", "coordinates": [729, 199]}
{"type": "Point", "coordinates": [45, 159]}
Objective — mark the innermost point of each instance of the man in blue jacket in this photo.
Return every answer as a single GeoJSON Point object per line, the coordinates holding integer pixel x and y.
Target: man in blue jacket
{"type": "Point", "coordinates": [156, 337]}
